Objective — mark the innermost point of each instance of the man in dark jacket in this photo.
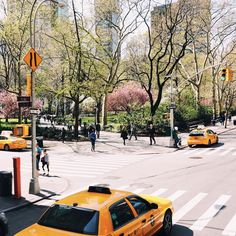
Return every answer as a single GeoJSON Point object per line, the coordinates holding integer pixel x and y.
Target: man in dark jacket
{"type": "Point", "coordinates": [151, 132]}
{"type": "Point", "coordinates": [3, 224]}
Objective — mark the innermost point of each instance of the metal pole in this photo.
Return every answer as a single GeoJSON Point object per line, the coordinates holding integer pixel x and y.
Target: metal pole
{"type": "Point", "coordinates": [34, 187]}
{"type": "Point", "coordinates": [171, 112]}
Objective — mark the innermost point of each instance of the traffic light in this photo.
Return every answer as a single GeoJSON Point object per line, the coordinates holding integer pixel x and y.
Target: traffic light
{"type": "Point", "coordinates": [229, 74]}
{"type": "Point", "coordinates": [226, 74]}
{"type": "Point", "coordinates": [223, 74]}
{"type": "Point", "coordinates": [28, 85]}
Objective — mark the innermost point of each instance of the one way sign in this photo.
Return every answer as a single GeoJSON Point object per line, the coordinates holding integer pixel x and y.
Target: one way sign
{"type": "Point", "coordinates": [32, 59]}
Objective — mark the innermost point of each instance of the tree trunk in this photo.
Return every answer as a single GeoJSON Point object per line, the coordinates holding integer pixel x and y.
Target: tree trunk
{"type": "Point", "coordinates": [104, 111]}
{"type": "Point", "coordinates": [214, 111]}
{"type": "Point", "coordinates": [76, 113]}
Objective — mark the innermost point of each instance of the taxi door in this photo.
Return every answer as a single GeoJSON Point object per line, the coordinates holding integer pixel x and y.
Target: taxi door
{"type": "Point", "coordinates": [123, 220]}
{"type": "Point", "coordinates": [148, 218]}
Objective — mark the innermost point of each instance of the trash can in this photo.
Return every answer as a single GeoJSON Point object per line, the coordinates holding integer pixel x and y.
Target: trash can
{"type": "Point", "coordinates": [234, 122]}
{"type": "Point", "coordinates": [5, 183]}
{"type": "Point", "coordinates": [40, 141]}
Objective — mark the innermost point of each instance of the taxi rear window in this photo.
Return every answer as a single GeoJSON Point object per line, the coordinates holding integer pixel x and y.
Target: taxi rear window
{"type": "Point", "coordinates": [73, 219]}
{"type": "Point", "coordinates": [197, 133]}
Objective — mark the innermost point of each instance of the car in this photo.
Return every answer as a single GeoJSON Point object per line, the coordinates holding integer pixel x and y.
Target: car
{"type": "Point", "coordinates": [3, 224]}
{"type": "Point", "coordinates": [202, 136]}
{"type": "Point", "coordinates": [102, 211]}
{"type": "Point", "coordinates": [11, 143]}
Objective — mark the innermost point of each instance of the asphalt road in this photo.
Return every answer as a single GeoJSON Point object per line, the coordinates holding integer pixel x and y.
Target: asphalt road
{"type": "Point", "coordinates": [200, 181]}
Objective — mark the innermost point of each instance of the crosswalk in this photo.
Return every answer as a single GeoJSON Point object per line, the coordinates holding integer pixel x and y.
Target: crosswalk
{"type": "Point", "coordinates": [192, 203]}
{"type": "Point", "coordinates": [87, 167]}
{"type": "Point", "coordinates": [208, 151]}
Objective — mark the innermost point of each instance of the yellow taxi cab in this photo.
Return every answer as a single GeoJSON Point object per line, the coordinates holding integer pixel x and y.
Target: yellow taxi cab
{"type": "Point", "coordinates": [201, 136]}
{"type": "Point", "coordinates": [10, 143]}
{"type": "Point", "coordinates": [102, 211]}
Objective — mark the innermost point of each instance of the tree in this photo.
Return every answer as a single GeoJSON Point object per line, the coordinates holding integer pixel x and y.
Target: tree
{"type": "Point", "coordinates": [115, 21]}
{"type": "Point", "coordinates": [8, 104]}
{"type": "Point", "coordinates": [212, 42]}
{"type": "Point", "coordinates": [127, 98]}
{"type": "Point", "coordinates": [153, 60]}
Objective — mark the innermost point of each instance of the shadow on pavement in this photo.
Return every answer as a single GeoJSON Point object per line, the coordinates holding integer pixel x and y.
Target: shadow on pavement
{"type": "Point", "coordinates": [179, 230]}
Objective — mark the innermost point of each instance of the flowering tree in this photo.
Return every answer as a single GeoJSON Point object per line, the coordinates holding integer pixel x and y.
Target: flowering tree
{"type": "Point", "coordinates": [8, 104]}
{"type": "Point", "coordinates": [127, 98]}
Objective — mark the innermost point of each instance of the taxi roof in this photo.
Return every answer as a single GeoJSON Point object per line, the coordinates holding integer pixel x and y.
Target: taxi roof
{"type": "Point", "coordinates": [93, 200]}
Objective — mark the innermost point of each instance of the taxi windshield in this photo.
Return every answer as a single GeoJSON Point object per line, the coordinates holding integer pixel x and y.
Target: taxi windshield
{"type": "Point", "coordinates": [73, 219]}
{"type": "Point", "coordinates": [197, 133]}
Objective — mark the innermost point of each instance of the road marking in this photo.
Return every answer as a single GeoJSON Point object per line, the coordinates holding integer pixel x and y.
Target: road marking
{"type": "Point", "coordinates": [176, 195]}
{"type": "Point", "coordinates": [123, 187]}
{"type": "Point", "coordinates": [210, 213]}
{"type": "Point", "coordinates": [138, 190]}
{"type": "Point", "coordinates": [159, 192]}
{"type": "Point", "coordinates": [226, 151]}
{"type": "Point", "coordinates": [230, 229]}
{"type": "Point", "coordinates": [188, 206]}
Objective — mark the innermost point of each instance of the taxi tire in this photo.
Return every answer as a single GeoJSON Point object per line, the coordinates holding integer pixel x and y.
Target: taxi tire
{"type": "Point", "coordinates": [167, 223]}
{"type": "Point", "coordinates": [217, 140]}
{"type": "Point", "coordinates": [190, 145]}
{"type": "Point", "coordinates": [6, 147]}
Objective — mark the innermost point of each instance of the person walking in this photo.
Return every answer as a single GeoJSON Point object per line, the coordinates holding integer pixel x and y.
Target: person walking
{"type": "Point", "coordinates": [98, 130]}
{"type": "Point", "coordinates": [63, 134]}
{"type": "Point", "coordinates": [38, 155]}
{"type": "Point", "coordinates": [151, 132]}
{"type": "Point", "coordinates": [124, 134]}
{"type": "Point", "coordinates": [92, 137]}
{"type": "Point", "coordinates": [45, 161]}
{"type": "Point", "coordinates": [133, 131]}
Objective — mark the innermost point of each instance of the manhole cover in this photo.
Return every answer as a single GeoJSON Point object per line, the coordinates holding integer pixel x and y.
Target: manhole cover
{"type": "Point", "coordinates": [195, 157]}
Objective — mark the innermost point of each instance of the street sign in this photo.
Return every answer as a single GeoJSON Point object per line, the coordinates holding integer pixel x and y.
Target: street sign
{"type": "Point", "coordinates": [34, 111]}
{"type": "Point", "coordinates": [23, 98]}
{"type": "Point", "coordinates": [32, 59]}
{"type": "Point", "coordinates": [25, 104]}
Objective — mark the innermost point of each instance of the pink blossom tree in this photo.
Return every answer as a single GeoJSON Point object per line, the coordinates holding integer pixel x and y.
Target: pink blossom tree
{"type": "Point", "coordinates": [127, 98]}
{"type": "Point", "coordinates": [8, 105]}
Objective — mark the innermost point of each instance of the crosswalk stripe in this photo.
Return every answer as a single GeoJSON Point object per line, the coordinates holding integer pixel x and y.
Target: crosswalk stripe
{"type": "Point", "coordinates": [159, 192]}
{"type": "Point", "coordinates": [188, 206]}
{"type": "Point", "coordinates": [226, 151]}
{"type": "Point", "coordinates": [74, 167]}
{"type": "Point", "coordinates": [138, 190]}
{"type": "Point", "coordinates": [176, 195]}
{"type": "Point", "coordinates": [123, 187]}
{"type": "Point", "coordinates": [230, 229]}
{"type": "Point", "coordinates": [210, 213]}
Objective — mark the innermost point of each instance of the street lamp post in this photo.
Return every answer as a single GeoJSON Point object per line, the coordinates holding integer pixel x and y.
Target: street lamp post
{"type": "Point", "coordinates": [34, 187]}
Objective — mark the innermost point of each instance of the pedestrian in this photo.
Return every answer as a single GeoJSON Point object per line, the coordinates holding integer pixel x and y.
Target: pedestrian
{"type": "Point", "coordinates": [124, 134]}
{"type": "Point", "coordinates": [175, 137]}
{"type": "Point", "coordinates": [230, 117]}
{"type": "Point", "coordinates": [63, 134]}
{"type": "Point", "coordinates": [92, 138]}
{"type": "Point", "coordinates": [45, 161]}
{"type": "Point", "coordinates": [38, 155]}
{"type": "Point", "coordinates": [98, 130]}
{"type": "Point", "coordinates": [133, 131]}
{"type": "Point", "coordinates": [151, 132]}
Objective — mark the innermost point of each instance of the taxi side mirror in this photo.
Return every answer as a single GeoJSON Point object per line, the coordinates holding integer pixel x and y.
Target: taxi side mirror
{"type": "Point", "coordinates": [154, 206]}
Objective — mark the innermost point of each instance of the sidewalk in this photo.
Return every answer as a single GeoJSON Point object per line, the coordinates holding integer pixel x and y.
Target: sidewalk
{"type": "Point", "coordinates": [112, 144]}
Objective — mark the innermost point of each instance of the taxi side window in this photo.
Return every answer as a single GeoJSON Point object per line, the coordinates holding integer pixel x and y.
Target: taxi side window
{"type": "Point", "coordinates": [140, 205]}
{"type": "Point", "coordinates": [121, 214]}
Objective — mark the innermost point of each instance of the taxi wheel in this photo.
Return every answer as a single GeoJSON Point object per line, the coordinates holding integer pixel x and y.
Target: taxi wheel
{"type": "Point", "coordinates": [209, 142]}
{"type": "Point", "coordinates": [217, 140]}
{"type": "Point", "coordinates": [6, 147]}
{"type": "Point", "coordinates": [167, 223]}
{"type": "Point", "coordinates": [190, 145]}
